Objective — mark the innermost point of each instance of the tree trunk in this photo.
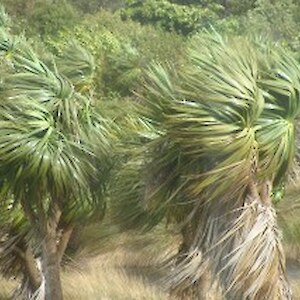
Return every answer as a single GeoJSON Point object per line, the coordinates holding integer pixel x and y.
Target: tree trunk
{"type": "Point", "coordinates": [64, 241]}
{"type": "Point", "coordinates": [50, 258]}
{"type": "Point", "coordinates": [31, 270]}
{"type": "Point", "coordinates": [204, 288]}
{"type": "Point", "coordinates": [31, 276]}
{"type": "Point", "coordinates": [46, 224]}
{"type": "Point", "coordinates": [256, 242]}
{"type": "Point", "coordinates": [51, 268]}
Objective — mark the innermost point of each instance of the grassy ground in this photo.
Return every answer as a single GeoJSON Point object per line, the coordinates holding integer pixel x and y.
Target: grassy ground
{"type": "Point", "coordinates": [6, 286]}
{"type": "Point", "coordinates": [115, 276]}
{"type": "Point", "coordinates": [124, 270]}
{"type": "Point", "coordinates": [125, 267]}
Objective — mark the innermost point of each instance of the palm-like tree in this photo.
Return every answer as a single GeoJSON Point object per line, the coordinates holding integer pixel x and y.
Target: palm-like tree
{"type": "Point", "coordinates": [54, 150]}
{"type": "Point", "coordinates": [223, 141]}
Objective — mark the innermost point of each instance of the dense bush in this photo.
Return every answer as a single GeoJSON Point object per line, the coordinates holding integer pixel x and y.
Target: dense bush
{"type": "Point", "coordinates": [48, 17]}
{"type": "Point", "coordinates": [122, 49]}
{"type": "Point", "coordinates": [229, 7]}
{"type": "Point", "coordinates": [92, 6]}
{"type": "Point", "coordinates": [170, 16]}
{"type": "Point", "coordinates": [278, 19]}
{"type": "Point", "coordinates": [42, 17]}
{"type": "Point", "coordinates": [18, 8]}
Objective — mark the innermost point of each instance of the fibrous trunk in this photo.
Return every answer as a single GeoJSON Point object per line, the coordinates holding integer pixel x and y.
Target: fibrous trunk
{"type": "Point", "coordinates": [237, 247]}
{"type": "Point", "coordinates": [51, 267]}
{"type": "Point", "coordinates": [31, 270]}
{"type": "Point", "coordinates": [201, 285]}
{"type": "Point", "coordinates": [31, 277]}
{"type": "Point", "coordinates": [255, 267]}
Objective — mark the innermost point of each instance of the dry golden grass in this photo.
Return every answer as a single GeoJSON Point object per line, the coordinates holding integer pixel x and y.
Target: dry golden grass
{"type": "Point", "coordinates": [109, 277]}
{"type": "Point", "coordinates": [6, 287]}
{"type": "Point", "coordinates": [126, 271]}
{"type": "Point", "coordinates": [296, 290]}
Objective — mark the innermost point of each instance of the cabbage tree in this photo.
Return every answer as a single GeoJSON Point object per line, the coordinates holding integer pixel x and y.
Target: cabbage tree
{"type": "Point", "coordinates": [54, 150]}
{"type": "Point", "coordinates": [222, 145]}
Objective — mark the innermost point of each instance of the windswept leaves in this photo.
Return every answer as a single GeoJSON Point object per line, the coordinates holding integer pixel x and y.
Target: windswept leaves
{"type": "Point", "coordinates": [55, 146]}
{"type": "Point", "coordinates": [225, 121]}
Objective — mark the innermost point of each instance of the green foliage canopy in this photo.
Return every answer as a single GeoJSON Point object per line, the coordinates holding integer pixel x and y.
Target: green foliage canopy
{"type": "Point", "coordinates": [171, 17]}
{"type": "Point", "coordinates": [220, 137]}
{"type": "Point", "coordinates": [122, 49]}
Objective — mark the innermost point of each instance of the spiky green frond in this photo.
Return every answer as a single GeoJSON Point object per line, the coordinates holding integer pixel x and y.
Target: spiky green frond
{"type": "Point", "coordinates": [207, 123]}
{"type": "Point", "coordinates": [225, 115]}
{"type": "Point", "coordinates": [225, 128]}
{"type": "Point", "coordinates": [53, 142]}
{"type": "Point", "coordinates": [56, 151]}
{"type": "Point", "coordinates": [4, 18]}
{"type": "Point", "coordinates": [276, 127]}
{"type": "Point", "coordinates": [34, 152]}
{"type": "Point", "coordinates": [78, 65]}
{"type": "Point", "coordinates": [32, 78]}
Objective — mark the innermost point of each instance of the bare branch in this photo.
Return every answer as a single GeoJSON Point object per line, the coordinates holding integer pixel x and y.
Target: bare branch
{"type": "Point", "coordinates": [63, 242]}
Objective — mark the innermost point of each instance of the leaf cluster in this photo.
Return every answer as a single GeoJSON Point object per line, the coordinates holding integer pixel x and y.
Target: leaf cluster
{"type": "Point", "coordinates": [224, 120]}
{"type": "Point", "coordinates": [170, 16]}
{"type": "Point", "coordinates": [54, 143]}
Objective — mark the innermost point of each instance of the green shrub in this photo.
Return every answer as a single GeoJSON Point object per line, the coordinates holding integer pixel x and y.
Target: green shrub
{"type": "Point", "coordinates": [41, 17]}
{"type": "Point", "coordinates": [172, 17]}
{"type": "Point", "coordinates": [276, 18]}
{"type": "Point", "coordinates": [49, 17]}
{"type": "Point", "coordinates": [94, 5]}
{"type": "Point", "coordinates": [232, 7]}
{"type": "Point", "coordinates": [122, 49]}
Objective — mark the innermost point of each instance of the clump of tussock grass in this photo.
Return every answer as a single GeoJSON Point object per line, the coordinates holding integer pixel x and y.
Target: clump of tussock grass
{"type": "Point", "coordinates": [104, 277]}
{"type": "Point", "coordinates": [7, 286]}
{"type": "Point", "coordinates": [127, 268]}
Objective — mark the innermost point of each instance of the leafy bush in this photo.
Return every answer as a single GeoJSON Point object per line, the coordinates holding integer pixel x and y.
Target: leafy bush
{"type": "Point", "coordinates": [279, 19]}
{"type": "Point", "coordinates": [230, 7]}
{"type": "Point", "coordinates": [48, 18]}
{"type": "Point", "coordinates": [41, 17]}
{"type": "Point", "coordinates": [18, 8]}
{"type": "Point", "coordinates": [93, 5]}
{"type": "Point", "coordinates": [170, 16]}
{"type": "Point", "coordinates": [122, 49]}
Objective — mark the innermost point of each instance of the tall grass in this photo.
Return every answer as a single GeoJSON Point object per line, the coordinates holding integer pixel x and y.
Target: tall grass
{"type": "Point", "coordinates": [7, 287]}
{"type": "Point", "coordinates": [126, 268]}
{"type": "Point", "coordinates": [109, 276]}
